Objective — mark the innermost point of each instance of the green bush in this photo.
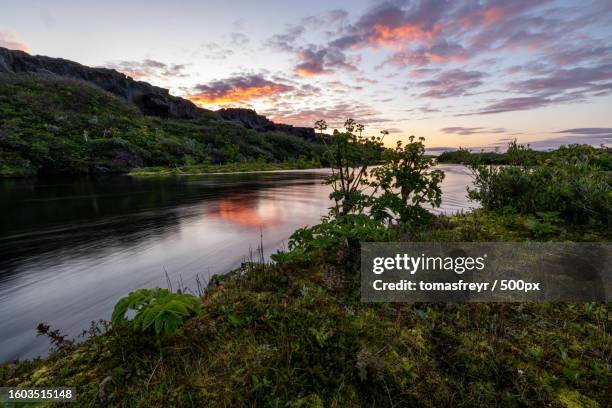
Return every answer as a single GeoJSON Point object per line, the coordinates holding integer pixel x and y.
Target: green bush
{"type": "Point", "coordinates": [157, 309]}
{"type": "Point", "coordinates": [572, 182]}
{"type": "Point", "coordinates": [406, 181]}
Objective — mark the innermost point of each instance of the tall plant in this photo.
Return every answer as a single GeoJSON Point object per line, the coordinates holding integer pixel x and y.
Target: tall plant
{"type": "Point", "coordinates": [406, 181]}
{"type": "Point", "coordinates": [350, 156]}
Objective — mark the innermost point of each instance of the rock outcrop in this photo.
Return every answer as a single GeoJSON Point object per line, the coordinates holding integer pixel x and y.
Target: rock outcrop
{"type": "Point", "coordinates": [151, 100]}
{"type": "Point", "coordinates": [251, 120]}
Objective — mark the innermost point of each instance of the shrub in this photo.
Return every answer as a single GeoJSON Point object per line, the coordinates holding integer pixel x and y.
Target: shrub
{"type": "Point", "coordinates": [571, 182]}
{"type": "Point", "coordinates": [406, 182]}
{"type": "Point", "coordinates": [157, 309]}
{"type": "Point", "coordinates": [350, 156]}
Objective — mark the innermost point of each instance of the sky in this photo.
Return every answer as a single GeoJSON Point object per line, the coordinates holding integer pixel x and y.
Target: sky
{"type": "Point", "coordinates": [475, 74]}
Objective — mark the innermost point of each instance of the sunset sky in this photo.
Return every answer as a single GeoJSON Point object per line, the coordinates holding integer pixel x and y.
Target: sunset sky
{"type": "Point", "coordinates": [460, 73]}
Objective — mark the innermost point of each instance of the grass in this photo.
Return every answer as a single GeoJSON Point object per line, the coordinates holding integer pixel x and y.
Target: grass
{"type": "Point", "coordinates": [295, 334]}
{"type": "Point", "coordinates": [223, 168]}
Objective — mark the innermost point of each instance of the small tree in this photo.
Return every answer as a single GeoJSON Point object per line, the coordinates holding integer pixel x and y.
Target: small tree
{"type": "Point", "coordinates": [320, 125]}
{"type": "Point", "coordinates": [350, 156]}
{"type": "Point", "coordinates": [406, 182]}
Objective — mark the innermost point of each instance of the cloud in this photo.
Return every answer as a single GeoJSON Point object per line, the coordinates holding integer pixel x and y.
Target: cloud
{"type": "Point", "coordinates": [238, 39]}
{"type": "Point", "coordinates": [335, 114]}
{"type": "Point", "coordinates": [559, 81]}
{"type": "Point", "coordinates": [238, 90]}
{"type": "Point", "coordinates": [427, 109]}
{"type": "Point", "coordinates": [337, 15]}
{"type": "Point", "coordinates": [465, 131]}
{"type": "Point", "coordinates": [367, 80]}
{"type": "Point", "coordinates": [287, 40]}
{"type": "Point", "coordinates": [559, 86]}
{"type": "Point", "coordinates": [394, 130]}
{"type": "Point", "coordinates": [320, 61]}
{"type": "Point", "coordinates": [148, 69]}
{"type": "Point", "coordinates": [453, 82]}
{"type": "Point", "coordinates": [214, 51]}
{"type": "Point", "coordinates": [512, 104]}
{"type": "Point", "coordinates": [8, 39]}
{"type": "Point", "coordinates": [587, 131]}
{"type": "Point", "coordinates": [440, 52]}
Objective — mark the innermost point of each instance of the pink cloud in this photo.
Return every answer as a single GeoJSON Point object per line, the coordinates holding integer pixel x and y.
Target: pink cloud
{"type": "Point", "coordinates": [8, 39]}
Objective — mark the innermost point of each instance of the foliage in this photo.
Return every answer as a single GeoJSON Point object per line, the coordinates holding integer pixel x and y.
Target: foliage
{"type": "Point", "coordinates": [333, 232]}
{"type": "Point", "coordinates": [157, 309]}
{"type": "Point", "coordinates": [224, 168]}
{"type": "Point", "coordinates": [466, 156]}
{"type": "Point", "coordinates": [572, 182]}
{"type": "Point", "coordinates": [51, 125]}
{"type": "Point", "coordinates": [350, 156]}
{"type": "Point", "coordinates": [406, 181]}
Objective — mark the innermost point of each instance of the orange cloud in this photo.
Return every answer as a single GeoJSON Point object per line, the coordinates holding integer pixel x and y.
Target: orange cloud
{"type": "Point", "coordinates": [308, 72]}
{"type": "Point", "coordinates": [238, 95]}
{"type": "Point", "coordinates": [8, 39]}
{"type": "Point", "coordinates": [388, 36]}
{"type": "Point", "coordinates": [237, 90]}
{"type": "Point", "coordinates": [494, 14]}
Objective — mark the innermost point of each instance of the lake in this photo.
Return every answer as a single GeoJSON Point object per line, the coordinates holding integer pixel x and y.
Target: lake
{"type": "Point", "coordinates": [71, 247]}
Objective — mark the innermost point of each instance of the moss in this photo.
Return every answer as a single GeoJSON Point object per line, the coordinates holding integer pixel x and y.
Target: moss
{"type": "Point", "coordinates": [281, 335]}
{"type": "Point", "coordinates": [573, 399]}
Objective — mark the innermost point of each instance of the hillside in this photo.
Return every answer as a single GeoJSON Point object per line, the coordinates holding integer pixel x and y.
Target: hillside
{"type": "Point", "coordinates": [58, 116]}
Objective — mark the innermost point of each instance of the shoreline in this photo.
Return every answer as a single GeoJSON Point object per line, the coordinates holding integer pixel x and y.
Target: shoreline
{"type": "Point", "coordinates": [230, 168]}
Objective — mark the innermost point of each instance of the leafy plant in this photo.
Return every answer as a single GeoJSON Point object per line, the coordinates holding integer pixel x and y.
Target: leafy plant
{"type": "Point", "coordinates": [406, 181]}
{"type": "Point", "coordinates": [350, 156]}
{"type": "Point", "coordinates": [157, 309]}
{"type": "Point", "coordinates": [572, 182]}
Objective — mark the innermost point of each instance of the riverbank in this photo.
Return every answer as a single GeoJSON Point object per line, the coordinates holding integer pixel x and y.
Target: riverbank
{"type": "Point", "coordinates": [223, 168]}
{"type": "Point", "coordinates": [295, 333]}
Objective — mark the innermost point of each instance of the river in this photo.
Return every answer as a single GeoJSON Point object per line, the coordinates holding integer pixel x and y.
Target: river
{"type": "Point", "coordinates": [70, 247]}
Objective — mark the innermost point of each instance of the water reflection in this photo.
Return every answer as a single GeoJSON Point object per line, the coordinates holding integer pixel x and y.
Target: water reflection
{"type": "Point", "coordinates": [247, 211]}
{"type": "Point", "coordinates": [71, 247]}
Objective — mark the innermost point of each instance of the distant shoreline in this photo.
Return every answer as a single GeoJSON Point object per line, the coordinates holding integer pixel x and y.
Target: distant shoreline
{"type": "Point", "coordinates": [229, 168]}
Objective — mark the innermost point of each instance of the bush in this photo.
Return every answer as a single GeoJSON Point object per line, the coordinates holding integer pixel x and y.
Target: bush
{"type": "Point", "coordinates": [406, 181]}
{"type": "Point", "coordinates": [333, 233]}
{"type": "Point", "coordinates": [571, 182]}
{"type": "Point", "coordinates": [157, 309]}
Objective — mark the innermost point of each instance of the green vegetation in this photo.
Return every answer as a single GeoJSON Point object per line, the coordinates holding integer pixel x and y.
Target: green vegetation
{"type": "Point", "coordinates": [224, 168]}
{"type": "Point", "coordinates": [157, 309]}
{"type": "Point", "coordinates": [572, 182]}
{"type": "Point", "coordinates": [52, 125]}
{"type": "Point", "coordinates": [295, 334]}
{"type": "Point", "coordinates": [466, 156]}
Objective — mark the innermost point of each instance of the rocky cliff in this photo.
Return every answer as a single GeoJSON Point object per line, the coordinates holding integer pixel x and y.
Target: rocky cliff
{"type": "Point", "coordinates": [251, 120]}
{"type": "Point", "coordinates": [151, 100]}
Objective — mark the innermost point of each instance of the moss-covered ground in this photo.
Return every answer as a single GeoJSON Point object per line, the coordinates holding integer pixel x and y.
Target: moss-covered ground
{"type": "Point", "coordinates": [296, 335]}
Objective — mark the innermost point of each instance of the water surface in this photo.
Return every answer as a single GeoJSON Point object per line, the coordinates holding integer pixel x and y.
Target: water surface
{"type": "Point", "coordinates": [69, 248]}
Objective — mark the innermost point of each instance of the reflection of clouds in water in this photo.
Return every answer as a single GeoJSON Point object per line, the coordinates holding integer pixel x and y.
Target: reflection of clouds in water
{"type": "Point", "coordinates": [247, 211]}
